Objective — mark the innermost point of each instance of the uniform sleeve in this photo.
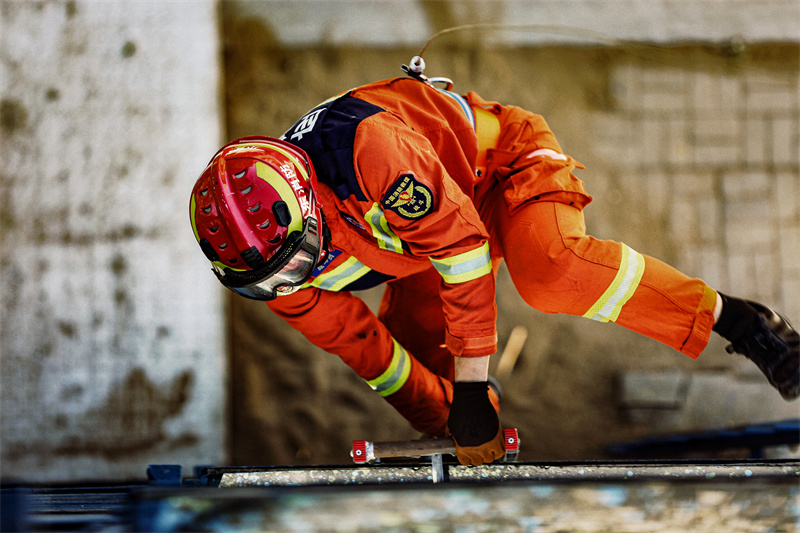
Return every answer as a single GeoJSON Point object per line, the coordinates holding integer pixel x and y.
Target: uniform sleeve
{"type": "Point", "coordinates": [352, 332]}
{"type": "Point", "coordinates": [342, 324]}
{"type": "Point", "coordinates": [435, 219]}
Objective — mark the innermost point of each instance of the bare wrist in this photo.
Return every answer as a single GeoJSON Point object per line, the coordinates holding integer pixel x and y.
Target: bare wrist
{"type": "Point", "coordinates": [472, 368]}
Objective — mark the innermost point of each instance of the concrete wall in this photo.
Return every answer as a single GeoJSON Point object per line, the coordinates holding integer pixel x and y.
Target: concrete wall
{"type": "Point", "coordinates": [715, 153]}
{"type": "Point", "coordinates": [112, 346]}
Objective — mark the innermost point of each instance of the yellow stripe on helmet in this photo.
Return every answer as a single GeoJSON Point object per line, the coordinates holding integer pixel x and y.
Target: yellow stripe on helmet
{"type": "Point", "coordinates": [299, 165]}
{"type": "Point", "coordinates": [285, 191]}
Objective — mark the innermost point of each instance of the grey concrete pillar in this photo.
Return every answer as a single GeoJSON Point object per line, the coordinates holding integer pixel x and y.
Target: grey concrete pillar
{"type": "Point", "coordinates": [112, 339]}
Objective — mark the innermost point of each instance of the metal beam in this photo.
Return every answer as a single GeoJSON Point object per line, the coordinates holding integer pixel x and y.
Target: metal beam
{"type": "Point", "coordinates": [392, 474]}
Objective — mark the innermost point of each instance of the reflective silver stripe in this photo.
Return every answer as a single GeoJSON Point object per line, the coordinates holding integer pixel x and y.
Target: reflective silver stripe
{"type": "Point", "coordinates": [341, 276]}
{"type": "Point", "coordinates": [387, 239]}
{"type": "Point", "coordinates": [631, 270]}
{"type": "Point", "coordinates": [465, 107]}
{"type": "Point", "coordinates": [465, 267]}
{"type": "Point", "coordinates": [396, 375]}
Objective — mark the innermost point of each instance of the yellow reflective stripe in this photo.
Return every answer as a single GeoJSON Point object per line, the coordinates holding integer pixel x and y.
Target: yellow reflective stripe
{"type": "Point", "coordinates": [630, 272]}
{"type": "Point", "coordinates": [465, 267]}
{"type": "Point", "coordinates": [387, 239]}
{"type": "Point", "coordinates": [487, 128]}
{"type": "Point", "coordinates": [396, 375]}
{"type": "Point", "coordinates": [192, 215]}
{"type": "Point", "coordinates": [341, 276]}
{"type": "Point", "coordinates": [300, 166]}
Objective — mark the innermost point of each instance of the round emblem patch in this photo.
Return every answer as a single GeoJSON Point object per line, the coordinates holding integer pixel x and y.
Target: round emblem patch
{"type": "Point", "coordinates": [409, 198]}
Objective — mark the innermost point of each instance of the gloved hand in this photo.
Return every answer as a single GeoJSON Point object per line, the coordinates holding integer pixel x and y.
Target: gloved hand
{"type": "Point", "coordinates": [474, 425]}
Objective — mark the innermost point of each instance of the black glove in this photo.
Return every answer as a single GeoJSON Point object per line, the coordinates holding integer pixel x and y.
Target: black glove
{"type": "Point", "coordinates": [474, 425]}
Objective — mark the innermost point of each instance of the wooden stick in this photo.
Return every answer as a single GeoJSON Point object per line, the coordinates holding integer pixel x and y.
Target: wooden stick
{"type": "Point", "coordinates": [413, 448]}
{"type": "Point", "coordinates": [516, 340]}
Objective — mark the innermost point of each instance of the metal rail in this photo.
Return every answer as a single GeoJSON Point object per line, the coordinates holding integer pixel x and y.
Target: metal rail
{"type": "Point", "coordinates": [589, 471]}
{"type": "Point", "coordinates": [661, 495]}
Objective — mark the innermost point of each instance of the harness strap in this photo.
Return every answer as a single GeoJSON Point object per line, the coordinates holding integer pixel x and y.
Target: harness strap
{"type": "Point", "coordinates": [487, 128]}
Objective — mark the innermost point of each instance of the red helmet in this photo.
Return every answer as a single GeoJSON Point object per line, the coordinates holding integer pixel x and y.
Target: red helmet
{"type": "Point", "coordinates": [255, 215]}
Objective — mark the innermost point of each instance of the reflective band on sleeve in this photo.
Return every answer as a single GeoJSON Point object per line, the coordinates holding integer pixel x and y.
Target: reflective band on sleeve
{"type": "Point", "coordinates": [396, 375]}
{"type": "Point", "coordinates": [631, 268]}
{"type": "Point", "coordinates": [341, 276]}
{"type": "Point", "coordinates": [387, 239]}
{"type": "Point", "coordinates": [465, 267]}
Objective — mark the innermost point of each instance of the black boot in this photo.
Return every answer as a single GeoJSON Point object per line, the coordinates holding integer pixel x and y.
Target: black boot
{"type": "Point", "coordinates": [767, 339]}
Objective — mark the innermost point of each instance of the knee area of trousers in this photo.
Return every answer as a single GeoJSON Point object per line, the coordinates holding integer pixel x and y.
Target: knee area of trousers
{"type": "Point", "coordinates": [549, 292]}
{"type": "Point", "coordinates": [548, 283]}
{"type": "Point", "coordinates": [560, 255]}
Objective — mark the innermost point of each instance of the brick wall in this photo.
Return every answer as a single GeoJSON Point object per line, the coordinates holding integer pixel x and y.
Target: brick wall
{"type": "Point", "coordinates": [716, 153]}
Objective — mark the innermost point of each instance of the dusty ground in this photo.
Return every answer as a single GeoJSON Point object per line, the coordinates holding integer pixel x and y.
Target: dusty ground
{"type": "Point", "coordinates": [294, 404]}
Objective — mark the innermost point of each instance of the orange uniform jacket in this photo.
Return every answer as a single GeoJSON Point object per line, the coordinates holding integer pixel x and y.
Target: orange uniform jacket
{"type": "Point", "coordinates": [396, 166]}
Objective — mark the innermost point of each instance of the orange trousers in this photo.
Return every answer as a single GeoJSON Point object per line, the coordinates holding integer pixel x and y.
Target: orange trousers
{"type": "Point", "coordinates": [556, 268]}
{"type": "Point", "coordinates": [532, 210]}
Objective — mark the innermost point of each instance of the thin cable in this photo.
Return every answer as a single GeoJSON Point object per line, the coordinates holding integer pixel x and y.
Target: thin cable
{"type": "Point", "coordinates": [649, 51]}
{"type": "Point", "coordinates": [539, 28]}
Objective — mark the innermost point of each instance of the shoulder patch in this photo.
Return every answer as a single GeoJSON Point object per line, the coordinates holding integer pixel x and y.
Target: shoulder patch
{"type": "Point", "coordinates": [409, 198]}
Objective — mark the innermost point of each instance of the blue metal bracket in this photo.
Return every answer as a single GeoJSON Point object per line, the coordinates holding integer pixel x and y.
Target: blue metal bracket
{"type": "Point", "coordinates": [164, 475]}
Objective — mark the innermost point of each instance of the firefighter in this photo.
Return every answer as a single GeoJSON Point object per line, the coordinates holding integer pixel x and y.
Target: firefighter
{"type": "Point", "coordinates": [406, 184]}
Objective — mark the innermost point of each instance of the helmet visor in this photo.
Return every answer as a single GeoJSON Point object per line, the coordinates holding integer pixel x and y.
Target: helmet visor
{"type": "Point", "coordinates": [294, 273]}
{"type": "Point", "coordinates": [295, 266]}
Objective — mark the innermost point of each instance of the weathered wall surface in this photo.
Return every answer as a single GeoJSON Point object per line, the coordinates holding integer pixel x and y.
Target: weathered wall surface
{"type": "Point", "coordinates": [112, 346]}
{"type": "Point", "coordinates": [692, 157]}
{"type": "Point", "coordinates": [389, 23]}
